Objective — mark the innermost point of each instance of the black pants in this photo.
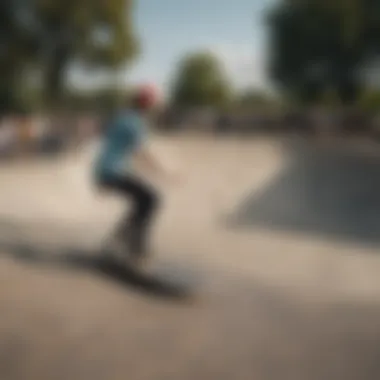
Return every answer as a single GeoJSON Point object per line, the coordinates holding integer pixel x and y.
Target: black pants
{"type": "Point", "coordinates": [145, 200]}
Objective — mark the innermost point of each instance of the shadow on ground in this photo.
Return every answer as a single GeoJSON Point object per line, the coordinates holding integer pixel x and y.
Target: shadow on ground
{"type": "Point", "coordinates": [331, 191]}
{"type": "Point", "coordinates": [70, 330]}
{"type": "Point", "coordinates": [245, 331]}
{"type": "Point", "coordinates": [100, 264]}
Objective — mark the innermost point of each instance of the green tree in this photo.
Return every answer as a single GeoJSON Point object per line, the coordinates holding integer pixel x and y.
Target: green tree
{"type": "Point", "coordinates": [370, 100]}
{"type": "Point", "coordinates": [200, 81]}
{"type": "Point", "coordinates": [18, 47]}
{"type": "Point", "coordinates": [95, 33]}
{"type": "Point", "coordinates": [54, 35]}
{"type": "Point", "coordinates": [253, 99]}
{"type": "Point", "coordinates": [317, 45]}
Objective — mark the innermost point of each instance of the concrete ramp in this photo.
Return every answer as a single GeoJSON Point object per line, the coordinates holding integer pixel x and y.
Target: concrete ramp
{"type": "Point", "coordinates": [329, 191]}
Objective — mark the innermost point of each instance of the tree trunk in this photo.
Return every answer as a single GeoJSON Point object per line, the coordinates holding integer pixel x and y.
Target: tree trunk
{"type": "Point", "coordinates": [55, 76]}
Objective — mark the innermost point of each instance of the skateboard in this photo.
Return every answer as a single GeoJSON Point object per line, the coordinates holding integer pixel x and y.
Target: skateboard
{"type": "Point", "coordinates": [148, 275]}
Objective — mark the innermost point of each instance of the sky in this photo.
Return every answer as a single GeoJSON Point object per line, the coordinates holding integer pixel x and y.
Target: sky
{"type": "Point", "coordinates": [232, 29]}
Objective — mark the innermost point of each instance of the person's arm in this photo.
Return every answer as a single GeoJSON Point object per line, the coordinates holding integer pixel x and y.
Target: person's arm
{"type": "Point", "coordinates": [146, 157]}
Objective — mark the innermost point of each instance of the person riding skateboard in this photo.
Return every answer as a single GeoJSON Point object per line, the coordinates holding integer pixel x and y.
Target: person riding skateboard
{"type": "Point", "coordinates": [125, 140]}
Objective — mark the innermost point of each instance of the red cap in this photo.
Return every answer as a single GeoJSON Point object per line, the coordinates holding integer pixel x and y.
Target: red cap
{"type": "Point", "coordinates": [146, 96]}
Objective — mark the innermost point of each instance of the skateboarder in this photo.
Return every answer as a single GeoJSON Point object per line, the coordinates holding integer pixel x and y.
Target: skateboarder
{"type": "Point", "coordinates": [124, 140]}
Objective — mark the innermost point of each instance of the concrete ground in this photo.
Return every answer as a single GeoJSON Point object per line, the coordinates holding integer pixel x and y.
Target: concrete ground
{"type": "Point", "coordinates": [269, 302]}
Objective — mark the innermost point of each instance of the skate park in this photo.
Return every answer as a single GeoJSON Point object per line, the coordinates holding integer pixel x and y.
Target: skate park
{"type": "Point", "coordinates": [277, 242]}
{"type": "Point", "coordinates": [265, 251]}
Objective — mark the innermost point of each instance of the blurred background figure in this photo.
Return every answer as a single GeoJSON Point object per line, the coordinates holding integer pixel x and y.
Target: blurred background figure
{"type": "Point", "coordinates": [8, 136]}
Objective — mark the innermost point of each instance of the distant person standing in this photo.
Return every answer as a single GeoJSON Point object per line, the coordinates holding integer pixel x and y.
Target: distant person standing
{"type": "Point", "coordinates": [222, 124]}
{"type": "Point", "coordinates": [125, 140]}
{"type": "Point", "coordinates": [86, 130]}
{"type": "Point", "coordinates": [7, 137]}
{"type": "Point", "coordinates": [25, 129]}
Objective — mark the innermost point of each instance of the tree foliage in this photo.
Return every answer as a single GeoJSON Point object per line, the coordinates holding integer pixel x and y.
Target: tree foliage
{"type": "Point", "coordinates": [319, 45]}
{"type": "Point", "coordinates": [254, 99]}
{"type": "Point", "coordinates": [55, 34]}
{"type": "Point", "coordinates": [200, 81]}
{"type": "Point", "coordinates": [369, 101]}
{"type": "Point", "coordinates": [18, 48]}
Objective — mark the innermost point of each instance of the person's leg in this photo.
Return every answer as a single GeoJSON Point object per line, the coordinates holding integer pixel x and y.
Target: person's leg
{"type": "Point", "coordinates": [145, 200]}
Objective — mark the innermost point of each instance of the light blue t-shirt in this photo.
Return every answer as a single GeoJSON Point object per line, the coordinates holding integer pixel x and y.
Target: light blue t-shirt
{"type": "Point", "coordinates": [124, 135]}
